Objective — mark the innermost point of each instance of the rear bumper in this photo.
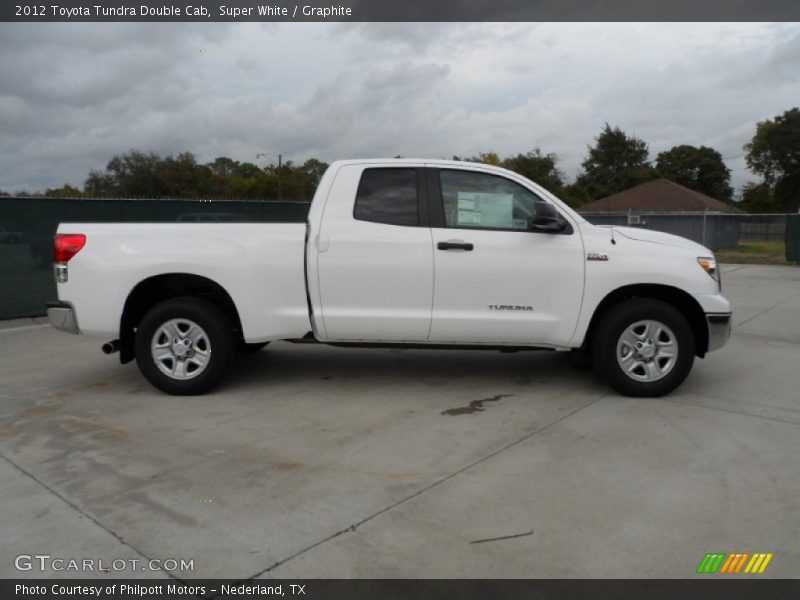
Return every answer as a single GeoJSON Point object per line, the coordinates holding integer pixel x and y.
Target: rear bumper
{"type": "Point", "coordinates": [62, 317]}
{"type": "Point", "coordinates": [719, 330]}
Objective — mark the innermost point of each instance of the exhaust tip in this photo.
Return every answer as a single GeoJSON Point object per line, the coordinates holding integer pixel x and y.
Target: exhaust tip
{"type": "Point", "coordinates": [111, 347]}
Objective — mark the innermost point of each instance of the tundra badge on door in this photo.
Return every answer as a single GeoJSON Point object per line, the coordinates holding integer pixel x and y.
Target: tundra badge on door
{"type": "Point", "coordinates": [509, 307]}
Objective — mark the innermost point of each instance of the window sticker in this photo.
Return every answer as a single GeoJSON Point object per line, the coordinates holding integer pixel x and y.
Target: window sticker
{"type": "Point", "coordinates": [486, 209]}
{"type": "Point", "coordinates": [519, 224]}
{"type": "Point", "coordinates": [469, 217]}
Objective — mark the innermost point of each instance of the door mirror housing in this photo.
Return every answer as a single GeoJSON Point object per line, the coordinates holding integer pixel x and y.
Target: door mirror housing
{"type": "Point", "coordinates": [547, 219]}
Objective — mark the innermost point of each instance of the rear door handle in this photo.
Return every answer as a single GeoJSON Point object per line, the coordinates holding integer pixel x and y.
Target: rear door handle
{"type": "Point", "coordinates": [455, 245]}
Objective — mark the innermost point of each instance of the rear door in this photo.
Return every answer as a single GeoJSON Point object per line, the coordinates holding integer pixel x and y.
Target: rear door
{"type": "Point", "coordinates": [375, 256]}
{"type": "Point", "coordinates": [496, 281]}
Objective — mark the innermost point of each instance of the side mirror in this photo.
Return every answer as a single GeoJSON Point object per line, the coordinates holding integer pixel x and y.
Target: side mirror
{"type": "Point", "coordinates": [546, 219]}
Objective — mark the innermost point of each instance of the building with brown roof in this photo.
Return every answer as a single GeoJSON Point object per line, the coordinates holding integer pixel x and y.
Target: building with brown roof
{"type": "Point", "coordinates": [659, 195]}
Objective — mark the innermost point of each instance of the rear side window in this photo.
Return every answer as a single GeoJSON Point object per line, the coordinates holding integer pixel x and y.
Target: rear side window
{"type": "Point", "coordinates": [388, 196]}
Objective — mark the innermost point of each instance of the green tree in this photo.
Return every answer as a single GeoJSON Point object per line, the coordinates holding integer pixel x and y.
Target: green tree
{"type": "Point", "coordinates": [134, 174]}
{"type": "Point", "coordinates": [227, 167]}
{"type": "Point", "coordinates": [758, 198]}
{"type": "Point", "coordinates": [314, 169]}
{"type": "Point", "coordinates": [311, 172]}
{"type": "Point", "coordinates": [538, 167]}
{"type": "Point", "coordinates": [774, 153]}
{"type": "Point", "coordinates": [698, 168]}
{"type": "Point", "coordinates": [248, 169]}
{"type": "Point", "coordinates": [616, 162]}
{"type": "Point", "coordinates": [487, 158]}
{"type": "Point", "coordinates": [575, 194]}
{"type": "Point", "coordinates": [223, 166]}
{"type": "Point", "coordinates": [182, 177]}
{"type": "Point", "coordinates": [246, 188]}
{"type": "Point", "coordinates": [65, 191]}
{"type": "Point", "coordinates": [138, 174]}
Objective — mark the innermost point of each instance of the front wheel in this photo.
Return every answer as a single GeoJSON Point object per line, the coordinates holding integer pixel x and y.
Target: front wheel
{"type": "Point", "coordinates": [643, 347]}
{"type": "Point", "coordinates": [184, 346]}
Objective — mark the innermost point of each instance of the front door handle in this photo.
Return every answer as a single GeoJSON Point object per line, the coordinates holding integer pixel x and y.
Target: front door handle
{"type": "Point", "coordinates": [455, 245]}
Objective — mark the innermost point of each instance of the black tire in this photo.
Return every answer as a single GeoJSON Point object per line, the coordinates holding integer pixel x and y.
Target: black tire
{"type": "Point", "coordinates": [580, 359]}
{"type": "Point", "coordinates": [220, 337]}
{"type": "Point", "coordinates": [616, 321]}
{"type": "Point", "coordinates": [245, 348]}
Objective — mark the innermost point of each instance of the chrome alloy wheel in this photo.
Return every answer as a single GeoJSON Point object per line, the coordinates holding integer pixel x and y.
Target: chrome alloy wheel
{"type": "Point", "coordinates": [181, 349]}
{"type": "Point", "coordinates": [647, 351]}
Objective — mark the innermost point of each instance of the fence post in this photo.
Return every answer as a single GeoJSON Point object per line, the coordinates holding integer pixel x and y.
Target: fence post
{"type": "Point", "coordinates": [705, 215]}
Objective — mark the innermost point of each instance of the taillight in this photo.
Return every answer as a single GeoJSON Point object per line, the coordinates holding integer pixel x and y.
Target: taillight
{"type": "Point", "coordinates": [67, 245]}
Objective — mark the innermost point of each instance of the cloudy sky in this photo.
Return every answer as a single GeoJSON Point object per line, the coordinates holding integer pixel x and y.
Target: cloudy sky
{"type": "Point", "coordinates": [72, 95]}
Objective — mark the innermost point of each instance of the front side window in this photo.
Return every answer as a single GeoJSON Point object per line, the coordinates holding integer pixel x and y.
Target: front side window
{"type": "Point", "coordinates": [483, 201]}
{"type": "Point", "coordinates": [387, 196]}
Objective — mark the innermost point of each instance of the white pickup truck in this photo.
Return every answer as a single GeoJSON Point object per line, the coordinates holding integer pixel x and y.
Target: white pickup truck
{"type": "Point", "coordinates": [396, 253]}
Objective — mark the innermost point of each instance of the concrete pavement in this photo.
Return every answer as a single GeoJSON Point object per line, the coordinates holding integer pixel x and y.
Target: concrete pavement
{"type": "Point", "coordinates": [327, 462]}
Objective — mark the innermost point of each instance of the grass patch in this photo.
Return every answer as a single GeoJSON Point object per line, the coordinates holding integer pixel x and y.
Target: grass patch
{"type": "Point", "coordinates": [759, 253]}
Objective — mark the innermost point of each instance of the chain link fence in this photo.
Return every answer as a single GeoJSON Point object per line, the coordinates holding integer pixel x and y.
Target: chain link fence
{"type": "Point", "coordinates": [27, 226]}
{"type": "Point", "coordinates": [713, 230]}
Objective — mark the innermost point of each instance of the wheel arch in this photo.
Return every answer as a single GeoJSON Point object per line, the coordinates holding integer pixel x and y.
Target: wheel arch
{"type": "Point", "coordinates": [681, 300]}
{"type": "Point", "coordinates": [149, 292]}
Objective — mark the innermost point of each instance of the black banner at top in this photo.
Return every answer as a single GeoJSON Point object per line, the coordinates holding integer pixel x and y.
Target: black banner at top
{"type": "Point", "coordinates": [398, 10]}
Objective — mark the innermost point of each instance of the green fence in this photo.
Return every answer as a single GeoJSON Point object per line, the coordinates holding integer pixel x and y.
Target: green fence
{"type": "Point", "coordinates": [27, 226]}
{"type": "Point", "coordinates": [793, 238]}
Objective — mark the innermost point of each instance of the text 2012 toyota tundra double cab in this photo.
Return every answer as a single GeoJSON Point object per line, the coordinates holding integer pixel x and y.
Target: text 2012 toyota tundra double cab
{"type": "Point", "coordinates": [400, 253]}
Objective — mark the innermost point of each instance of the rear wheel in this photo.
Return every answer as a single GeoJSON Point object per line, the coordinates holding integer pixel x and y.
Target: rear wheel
{"type": "Point", "coordinates": [184, 346]}
{"type": "Point", "coordinates": [643, 347]}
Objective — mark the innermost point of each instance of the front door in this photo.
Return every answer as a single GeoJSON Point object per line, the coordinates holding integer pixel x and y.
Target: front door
{"type": "Point", "coordinates": [496, 281]}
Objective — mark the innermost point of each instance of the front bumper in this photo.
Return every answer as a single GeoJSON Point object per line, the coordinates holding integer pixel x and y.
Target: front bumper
{"type": "Point", "coordinates": [62, 317]}
{"type": "Point", "coordinates": [719, 330]}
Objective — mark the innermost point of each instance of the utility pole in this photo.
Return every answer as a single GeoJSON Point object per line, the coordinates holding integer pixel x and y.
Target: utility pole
{"type": "Point", "coordinates": [280, 164]}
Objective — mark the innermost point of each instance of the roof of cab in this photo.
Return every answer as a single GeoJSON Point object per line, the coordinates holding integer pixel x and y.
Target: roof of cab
{"type": "Point", "coordinates": [420, 161]}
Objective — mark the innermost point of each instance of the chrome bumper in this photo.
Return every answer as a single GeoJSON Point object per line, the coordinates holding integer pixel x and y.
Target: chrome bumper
{"type": "Point", "coordinates": [719, 330]}
{"type": "Point", "coordinates": [62, 317]}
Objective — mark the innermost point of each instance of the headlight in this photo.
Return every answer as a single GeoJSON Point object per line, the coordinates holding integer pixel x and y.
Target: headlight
{"type": "Point", "coordinates": [709, 265]}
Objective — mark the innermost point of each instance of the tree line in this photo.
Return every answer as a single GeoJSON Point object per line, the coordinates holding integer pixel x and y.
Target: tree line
{"type": "Point", "coordinates": [615, 162]}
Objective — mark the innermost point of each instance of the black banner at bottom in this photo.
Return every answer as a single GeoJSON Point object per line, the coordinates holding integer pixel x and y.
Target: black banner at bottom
{"type": "Point", "coordinates": [396, 589]}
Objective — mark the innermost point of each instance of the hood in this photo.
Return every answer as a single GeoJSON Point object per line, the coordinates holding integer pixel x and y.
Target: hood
{"type": "Point", "coordinates": [659, 237]}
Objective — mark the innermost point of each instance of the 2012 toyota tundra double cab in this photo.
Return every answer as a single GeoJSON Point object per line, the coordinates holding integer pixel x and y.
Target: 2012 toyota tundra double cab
{"type": "Point", "coordinates": [396, 253]}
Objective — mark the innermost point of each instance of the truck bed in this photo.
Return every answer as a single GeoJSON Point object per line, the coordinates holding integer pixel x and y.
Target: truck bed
{"type": "Point", "coordinates": [260, 264]}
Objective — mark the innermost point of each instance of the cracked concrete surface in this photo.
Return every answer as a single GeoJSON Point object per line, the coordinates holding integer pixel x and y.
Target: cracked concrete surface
{"type": "Point", "coordinates": [329, 462]}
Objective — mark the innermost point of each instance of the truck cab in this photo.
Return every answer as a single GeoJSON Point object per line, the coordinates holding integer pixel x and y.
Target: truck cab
{"type": "Point", "coordinates": [442, 254]}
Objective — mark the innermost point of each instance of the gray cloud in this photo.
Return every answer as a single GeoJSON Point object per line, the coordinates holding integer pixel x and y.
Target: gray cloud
{"type": "Point", "coordinates": [72, 95]}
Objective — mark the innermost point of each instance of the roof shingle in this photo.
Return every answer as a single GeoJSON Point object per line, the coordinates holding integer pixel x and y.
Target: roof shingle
{"type": "Point", "coordinates": [659, 195]}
